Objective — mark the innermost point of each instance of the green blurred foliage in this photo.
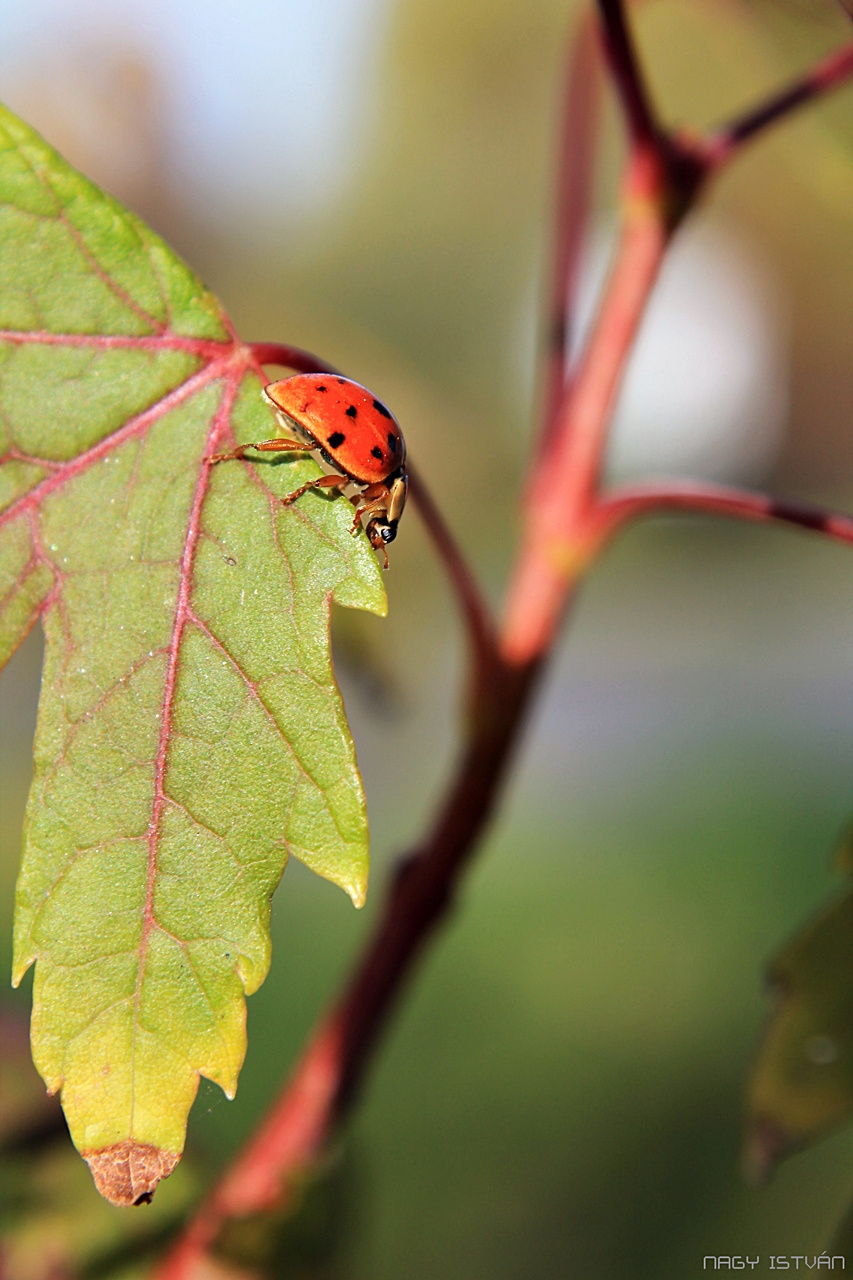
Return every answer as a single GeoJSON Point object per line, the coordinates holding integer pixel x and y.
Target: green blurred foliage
{"type": "Point", "coordinates": [802, 1083]}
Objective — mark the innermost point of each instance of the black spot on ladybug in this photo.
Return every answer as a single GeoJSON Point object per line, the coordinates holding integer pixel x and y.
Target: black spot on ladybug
{"type": "Point", "coordinates": [392, 442]}
{"type": "Point", "coordinates": [336, 439]}
{"type": "Point", "coordinates": [352, 412]}
{"type": "Point", "coordinates": [377, 452]}
{"type": "Point", "coordinates": [380, 408]}
{"type": "Point", "coordinates": [322, 388]}
{"type": "Point", "coordinates": [342, 381]}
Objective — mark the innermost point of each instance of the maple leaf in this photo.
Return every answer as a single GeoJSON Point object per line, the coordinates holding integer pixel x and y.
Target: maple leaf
{"type": "Point", "coordinates": [190, 734]}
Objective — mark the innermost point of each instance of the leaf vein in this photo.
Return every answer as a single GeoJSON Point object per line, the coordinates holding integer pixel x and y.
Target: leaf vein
{"type": "Point", "coordinates": [256, 696]}
{"type": "Point", "coordinates": [134, 426]}
{"type": "Point", "coordinates": [103, 276]}
{"type": "Point", "coordinates": [220, 420]}
{"type": "Point", "coordinates": [207, 348]}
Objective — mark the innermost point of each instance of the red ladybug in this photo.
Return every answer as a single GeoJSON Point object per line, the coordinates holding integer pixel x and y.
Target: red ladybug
{"type": "Point", "coordinates": [354, 433]}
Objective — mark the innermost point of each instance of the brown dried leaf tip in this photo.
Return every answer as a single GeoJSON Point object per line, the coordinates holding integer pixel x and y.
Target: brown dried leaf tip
{"type": "Point", "coordinates": [766, 1144]}
{"type": "Point", "coordinates": [128, 1172]}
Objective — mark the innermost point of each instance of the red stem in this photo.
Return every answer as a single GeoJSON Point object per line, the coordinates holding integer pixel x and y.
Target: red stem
{"type": "Point", "coordinates": [565, 524]}
{"type": "Point", "coordinates": [290, 358]}
{"type": "Point", "coordinates": [627, 75]}
{"type": "Point", "coordinates": [317, 1096]}
{"type": "Point", "coordinates": [621, 505]}
{"type": "Point", "coordinates": [573, 199]}
{"type": "Point", "coordinates": [556, 548]}
{"type": "Point", "coordinates": [479, 622]}
{"type": "Point", "coordinates": [327, 1077]}
{"type": "Point", "coordinates": [325, 1081]}
{"type": "Point", "coordinates": [834, 71]}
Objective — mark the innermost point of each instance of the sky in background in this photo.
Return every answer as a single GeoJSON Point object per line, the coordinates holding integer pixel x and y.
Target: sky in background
{"type": "Point", "coordinates": [268, 102]}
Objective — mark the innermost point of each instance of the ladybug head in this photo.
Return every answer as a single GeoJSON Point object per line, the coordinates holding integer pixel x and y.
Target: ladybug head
{"type": "Point", "coordinates": [381, 532]}
{"type": "Point", "coordinates": [382, 529]}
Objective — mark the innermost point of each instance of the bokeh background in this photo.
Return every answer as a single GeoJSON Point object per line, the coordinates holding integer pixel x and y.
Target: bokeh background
{"type": "Point", "coordinates": [560, 1094]}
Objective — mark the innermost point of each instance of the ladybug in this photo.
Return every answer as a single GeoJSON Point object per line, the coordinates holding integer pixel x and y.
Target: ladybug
{"type": "Point", "coordinates": [355, 434]}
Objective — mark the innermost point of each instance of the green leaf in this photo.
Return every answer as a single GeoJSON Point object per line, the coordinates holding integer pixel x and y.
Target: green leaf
{"type": "Point", "coordinates": [190, 735]}
{"type": "Point", "coordinates": [801, 1085]}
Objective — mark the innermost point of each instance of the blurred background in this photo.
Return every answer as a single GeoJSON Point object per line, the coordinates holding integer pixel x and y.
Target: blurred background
{"type": "Point", "coordinates": [561, 1092]}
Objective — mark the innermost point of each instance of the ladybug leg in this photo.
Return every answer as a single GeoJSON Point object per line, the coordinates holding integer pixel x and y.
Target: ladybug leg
{"type": "Point", "coordinates": [279, 445]}
{"type": "Point", "coordinates": [322, 482]}
{"type": "Point", "coordinates": [369, 508]}
{"type": "Point", "coordinates": [373, 499]}
{"type": "Point", "coordinates": [378, 545]}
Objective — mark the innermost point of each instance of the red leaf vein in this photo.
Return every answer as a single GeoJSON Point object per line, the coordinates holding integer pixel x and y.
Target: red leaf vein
{"type": "Point", "coordinates": [134, 426]}
{"type": "Point", "coordinates": [218, 426]}
{"type": "Point", "coordinates": [165, 341]}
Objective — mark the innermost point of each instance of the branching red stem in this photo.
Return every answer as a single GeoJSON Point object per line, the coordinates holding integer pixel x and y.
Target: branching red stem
{"type": "Point", "coordinates": [566, 522]}
{"type": "Point", "coordinates": [299, 1123]}
{"type": "Point", "coordinates": [834, 71]}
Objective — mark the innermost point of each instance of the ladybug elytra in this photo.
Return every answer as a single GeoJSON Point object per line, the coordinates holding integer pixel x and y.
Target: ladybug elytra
{"type": "Point", "coordinates": [355, 434]}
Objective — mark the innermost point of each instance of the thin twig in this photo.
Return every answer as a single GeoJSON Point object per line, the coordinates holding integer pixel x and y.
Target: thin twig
{"type": "Point", "coordinates": [476, 613]}
{"type": "Point", "coordinates": [290, 358]}
{"type": "Point", "coordinates": [834, 71]}
{"type": "Point", "coordinates": [627, 75]}
{"type": "Point", "coordinates": [325, 1081]}
{"type": "Point", "coordinates": [630, 503]}
{"type": "Point", "coordinates": [575, 172]}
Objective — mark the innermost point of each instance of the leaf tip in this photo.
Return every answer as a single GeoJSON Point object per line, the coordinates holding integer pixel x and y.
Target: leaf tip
{"type": "Point", "coordinates": [766, 1144]}
{"type": "Point", "coordinates": [357, 890]}
{"type": "Point", "coordinates": [19, 969]}
{"type": "Point", "coordinates": [127, 1173]}
{"type": "Point", "coordinates": [380, 605]}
